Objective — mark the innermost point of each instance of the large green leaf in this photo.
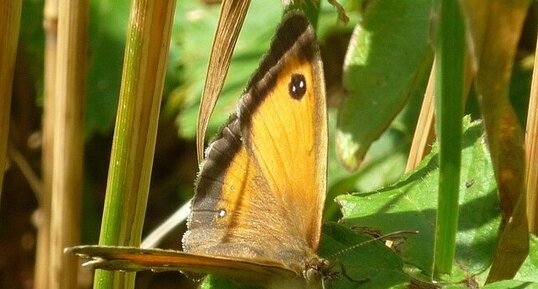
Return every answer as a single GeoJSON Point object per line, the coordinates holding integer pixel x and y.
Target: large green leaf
{"type": "Point", "coordinates": [388, 56]}
{"type": "Point", "coordinates": [410, 204]}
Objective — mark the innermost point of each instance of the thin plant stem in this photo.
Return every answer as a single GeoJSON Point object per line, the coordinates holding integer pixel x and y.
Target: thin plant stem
{"type": "Point", "coordinates": [50, 24]}
{"type": "Point", "coordinates": [133, 147]}
{"type": "Point", "coordinates": [424, 132]}
{"type": "Point", "coordinates": [68, 147]}
{"type": "Point", "coordinates": [450, 56]}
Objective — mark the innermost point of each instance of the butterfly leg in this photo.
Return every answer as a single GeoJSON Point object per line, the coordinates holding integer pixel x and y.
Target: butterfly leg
{"type": "Point", "coordinates": [348, 277]}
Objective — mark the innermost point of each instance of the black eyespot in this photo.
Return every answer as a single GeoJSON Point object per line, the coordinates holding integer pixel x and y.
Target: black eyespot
{"type": "Point", "coordinates": [297, 86]}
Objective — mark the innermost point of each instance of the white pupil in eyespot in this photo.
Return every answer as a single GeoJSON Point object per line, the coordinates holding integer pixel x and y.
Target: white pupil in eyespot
{"type": "Point", "coordinates": [221, 213]}
{"type": "Point", "coordinates": [300, 86]}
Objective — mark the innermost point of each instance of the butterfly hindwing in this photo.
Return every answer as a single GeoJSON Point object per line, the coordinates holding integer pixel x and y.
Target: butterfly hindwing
{"type": "Point", "coordinates": [137, 259]}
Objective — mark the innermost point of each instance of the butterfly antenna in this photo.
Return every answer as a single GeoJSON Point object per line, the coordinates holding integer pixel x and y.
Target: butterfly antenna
{"type": "Point", "coordinates": [392, 234]}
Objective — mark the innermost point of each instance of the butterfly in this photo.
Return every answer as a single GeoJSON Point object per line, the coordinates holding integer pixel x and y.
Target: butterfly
{"type": "Point", "coordinates": [257, 210]}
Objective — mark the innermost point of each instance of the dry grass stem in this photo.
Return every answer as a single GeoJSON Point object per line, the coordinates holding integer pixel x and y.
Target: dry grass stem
{"type": "Point", "coordinates": [50, 23]}
{"type": "Point", "coordinates": [424, 131]}
{"type": "Point", "coordinates": [68, 141]}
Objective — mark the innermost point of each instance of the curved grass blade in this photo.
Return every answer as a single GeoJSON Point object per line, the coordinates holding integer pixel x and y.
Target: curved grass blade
{"type": "Point", "coordinates": [531, 148]}
{"type": "Point", "coordinates": [232, 15]}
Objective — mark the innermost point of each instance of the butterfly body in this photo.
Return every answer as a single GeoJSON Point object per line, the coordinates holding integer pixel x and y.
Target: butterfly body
{"type": "Point", "coordinates": [256, 213]}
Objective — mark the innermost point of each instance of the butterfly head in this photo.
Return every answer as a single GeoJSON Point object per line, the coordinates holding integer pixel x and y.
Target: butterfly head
{"type": "Point", "coordinates": [318, 270]}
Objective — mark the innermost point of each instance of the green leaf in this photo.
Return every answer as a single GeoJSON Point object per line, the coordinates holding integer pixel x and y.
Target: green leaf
{"type": "Point", "coordinates": [388, 56]}
{"type": "Point", "coordinates": [410, 204]}
{"type": "Point", "coordinates": [372, 262]}
{"type": "Point", "coordinates": [384, 162]}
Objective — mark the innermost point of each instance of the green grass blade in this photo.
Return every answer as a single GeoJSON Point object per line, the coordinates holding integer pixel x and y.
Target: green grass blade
{"type": "Point", "coordinates": [135, 132]}
{"type": "Point", "coordinates": [450, 52]}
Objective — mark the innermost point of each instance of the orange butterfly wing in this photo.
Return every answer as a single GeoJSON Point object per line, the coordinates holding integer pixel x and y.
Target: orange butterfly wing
{"type": "Point", "coordinates": [261, 189]}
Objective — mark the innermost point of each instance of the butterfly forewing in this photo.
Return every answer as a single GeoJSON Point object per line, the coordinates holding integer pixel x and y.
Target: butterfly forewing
{"type": "Point", "coordinates": [261, 189]}
{"type": "Point", "coordinates": [286, 135]}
